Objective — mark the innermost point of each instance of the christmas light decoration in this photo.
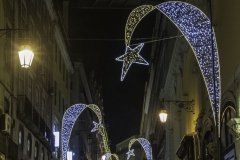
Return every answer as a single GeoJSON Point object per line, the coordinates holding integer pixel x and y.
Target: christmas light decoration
{"type": "Point", "coordinates": [97, 126]}
{"type": "Point", "coordinates": [108, 156]}
{"type": "Point", "coordinates": [131, 56]}
{"type": "Point", "coordinates": [96, 110]}
{"type": "Point", "coordinates": [69, 118]}
{"type": "Point", "coordinates": [134, 18]}
{"type": "Point", "coordinates": [130, 153]}
{"type": "Point", "coordinates": [146, 147]}
{"type": "Point", "coordinates": [197, 30]}
{"type": "Point", "coordinates": [115, 156]}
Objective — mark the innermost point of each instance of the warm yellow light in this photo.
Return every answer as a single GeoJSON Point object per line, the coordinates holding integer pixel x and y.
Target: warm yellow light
{"type": "Point", "coordinates": [103, 157]}
{"type": "Point", "coordinates": [26, 57]}
{"type": "Point", "coordinates": [163, 115]}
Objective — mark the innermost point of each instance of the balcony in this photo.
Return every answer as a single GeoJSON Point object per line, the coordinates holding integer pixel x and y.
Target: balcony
{"type": "Point", "coordinates": [12, 151]}
{"type": "Point", "coordinates": [34, 122]}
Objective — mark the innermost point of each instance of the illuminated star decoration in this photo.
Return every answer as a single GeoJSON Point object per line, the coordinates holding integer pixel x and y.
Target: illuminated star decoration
{"type": "Point", "coordinates": [197, 30]}
{"type": "Point", "coordinates": [145, 144]}
{"type": "Point", "coordinates": [131, 56]}
{"type": "Point", "coordinates": [133, 19]}
{"type": "Point", "coordinates": [130, 153]}
{"type": "Point", "coordinates": [97, 126]}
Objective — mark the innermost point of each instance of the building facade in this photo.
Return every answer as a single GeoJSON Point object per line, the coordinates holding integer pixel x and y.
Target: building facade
{"type": "Point", "coordinates": [176, 84]}
{"type": "Point", "coordinates": [33, 100]}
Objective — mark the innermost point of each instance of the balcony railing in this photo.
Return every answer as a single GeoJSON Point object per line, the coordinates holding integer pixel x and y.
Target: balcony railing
{"type": "Point", "coordinates": [34, 122]}
{"type": "Point", "coordinates": [11, 152]}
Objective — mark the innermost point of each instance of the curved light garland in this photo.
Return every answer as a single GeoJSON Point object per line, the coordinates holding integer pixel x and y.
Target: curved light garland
{"type": "Point", "coordinates": [69, 118]}
{"type": "Point", "coordinates": [134, 18]}
{"type": "Point", "coordinates": [109, 155]}
{"type": "Point", "coordinates": [197, 30]}
{"type": "Point", "coordinates": [145, 145]}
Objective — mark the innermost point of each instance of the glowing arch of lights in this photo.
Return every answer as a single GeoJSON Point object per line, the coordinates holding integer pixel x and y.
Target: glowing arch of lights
{"type": "Point", "coordinates": [69, 118]}
{"type": "Point", "coordinates": [145, 145]}
{"type": "Point", "coordinates": [197, 30]}
{"type": "Point", "coordinates": [108, 156]}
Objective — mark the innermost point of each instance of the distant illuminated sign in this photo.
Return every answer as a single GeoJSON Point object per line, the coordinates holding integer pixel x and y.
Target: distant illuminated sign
{"type": "Point", "coordinates": [56, 135]}
{"type": "Point", "coordinates": [69, 155]}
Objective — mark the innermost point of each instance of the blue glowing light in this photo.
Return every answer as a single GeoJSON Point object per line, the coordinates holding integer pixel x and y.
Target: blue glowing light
{"type": "Point", "coordinates": [196, 28]}
{"type": "Point", "coordinates": [146, 147]}
{"type": "Point", "coordinates": [69, 119]}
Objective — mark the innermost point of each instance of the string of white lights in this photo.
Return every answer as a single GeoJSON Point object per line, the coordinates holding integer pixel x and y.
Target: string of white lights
{"type": "Point", "coordinates": [197, 30]}
{"type": "Point", "coordinates": [145, 145]}
{"type": "Point", "coordinates": [69, 118]}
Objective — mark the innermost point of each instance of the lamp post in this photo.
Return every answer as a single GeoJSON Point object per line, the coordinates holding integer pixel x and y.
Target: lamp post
{"type": "Point", "coordinates": [163, 115]}
{"type": "Point", "coordinates": [25, 57]}
{"type": "Point", "coordinates": [187, 105]}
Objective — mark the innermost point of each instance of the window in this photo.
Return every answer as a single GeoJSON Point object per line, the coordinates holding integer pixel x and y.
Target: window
{"type": "Point", "coordinates": [56, 53]}
{"type": "Point", "coordinates": [56, 138]}
{"type": "Point", "coordinates": [59, 101]}
{"type": "Point", "coordinates": [6, 105]}
{"type": "Point", "coordinates": [36, 151]}
{"type": "Point", "coordinates": [186, 148]}
{"type": "Point", "coordinates": [42, 154]}
{"type": "Point", "coordinates": [7, 50]}
{"type": "Point", "coordinates": [63, 105]}
{"type": "Point", "coordinates": [207, 143]}
{"type": "Point", "coordinates": [48, 156]}
{"type": "Point", "coordinates": [29, 145]}
{"type": "Point", "coordinates": [66, 80]}
{"type": "Point", "coordinates": [20, 137]}
{"type": "Point", "coordinates": [64, 70]}
{"type": "Point", "coordinates": [60, 63]}
{"type": "Point", "coordinates": [55, 92]}
{"type": "Point", "coordinates": [228, 113]}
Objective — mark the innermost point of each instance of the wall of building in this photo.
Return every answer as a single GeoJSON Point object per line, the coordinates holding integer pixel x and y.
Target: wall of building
{"type": "Point", "coordinates": [182, 80]}
{"type": "Point", "coordinates": [27, 95]}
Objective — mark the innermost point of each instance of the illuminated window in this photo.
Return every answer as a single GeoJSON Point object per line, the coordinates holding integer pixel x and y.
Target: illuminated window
{"type": "Point", "coordinates": [69, 155]}
{"type": "Point", "coordinates": [56, 136]}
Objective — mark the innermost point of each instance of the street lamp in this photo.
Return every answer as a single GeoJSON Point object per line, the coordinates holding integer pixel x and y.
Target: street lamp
{"type": "Point", "coordinates": [26, 57]}
{"type": "Point", "coordinates": [163, 115]}
{"type": "Point", "coordinates": [103, 157]}
{"type": "Point", "coordinates": [187, 105]}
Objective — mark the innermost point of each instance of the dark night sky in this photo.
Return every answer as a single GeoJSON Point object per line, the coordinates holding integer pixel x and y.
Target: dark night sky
{"type": "Point", "coordinates": [122, 100]}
